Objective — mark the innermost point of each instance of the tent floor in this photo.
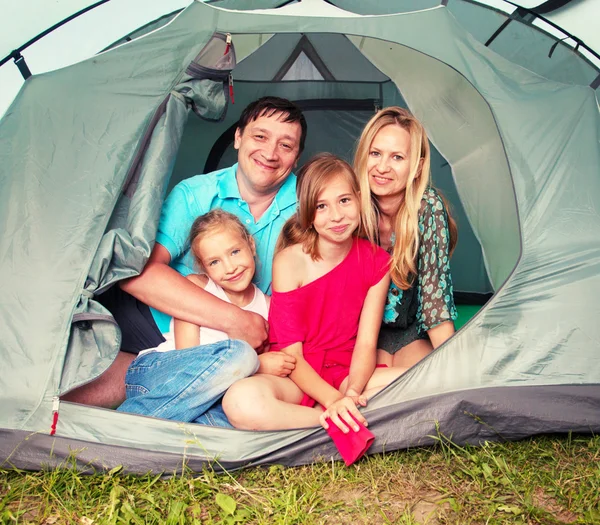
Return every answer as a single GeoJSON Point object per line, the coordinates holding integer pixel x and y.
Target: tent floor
{"type": "Point", "coordinates": [465, 313]}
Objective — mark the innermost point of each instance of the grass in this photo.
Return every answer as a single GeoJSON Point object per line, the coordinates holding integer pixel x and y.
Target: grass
{"type": "Point", "coordinates": [543, 480]}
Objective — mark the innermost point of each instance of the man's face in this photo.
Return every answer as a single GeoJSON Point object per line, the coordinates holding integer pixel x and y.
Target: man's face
{"type": "Point", "coordinates": [267, 152]}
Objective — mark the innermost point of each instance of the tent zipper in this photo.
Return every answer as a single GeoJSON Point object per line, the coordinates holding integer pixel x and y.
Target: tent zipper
{"type": "Point", "coordinates": [227, 43]}
{"type": "Point", "coordinates": [231, 89]}
{"type": "Point", "coordinates": [55, 407]}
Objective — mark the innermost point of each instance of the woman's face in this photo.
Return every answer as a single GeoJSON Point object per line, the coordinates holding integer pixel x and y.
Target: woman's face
{"type": "Point", "coordinates": [388, 164]}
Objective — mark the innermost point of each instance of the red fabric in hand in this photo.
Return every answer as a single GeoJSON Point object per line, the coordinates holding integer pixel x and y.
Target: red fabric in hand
{"type": "Point", "coordinates": [353, 445]}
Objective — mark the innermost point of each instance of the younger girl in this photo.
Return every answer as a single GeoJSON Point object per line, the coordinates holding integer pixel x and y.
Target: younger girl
{"type": "Point", "coordinates": [329, 288]}
{"type": "Point", "coordinates": [190, 371]}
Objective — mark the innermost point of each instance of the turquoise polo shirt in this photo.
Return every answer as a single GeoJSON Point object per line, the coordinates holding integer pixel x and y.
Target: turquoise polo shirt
{"type": "Point", "coordinates": [200, 194]}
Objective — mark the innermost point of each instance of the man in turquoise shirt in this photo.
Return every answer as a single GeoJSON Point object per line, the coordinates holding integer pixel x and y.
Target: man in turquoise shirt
{"type": "Point", "coordinates": [198, 195]}
{"type": "Point", "coordinates": [260, 190]}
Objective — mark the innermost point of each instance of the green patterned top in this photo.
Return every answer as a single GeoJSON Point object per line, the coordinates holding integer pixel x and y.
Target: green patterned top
{"type": "Point", "coordinates": [429, 301]}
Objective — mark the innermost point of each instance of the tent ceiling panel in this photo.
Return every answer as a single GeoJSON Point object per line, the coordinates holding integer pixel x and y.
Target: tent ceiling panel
{"type": "Point", "coordinates": [462, 127]}
{"type": "Point", "coordinates": [278, 48]}
{"type": "Point", "coordinates": [116, 20]}
{"type": "Point", "coordinates": [335, 52]}
{"type": "Point", "coordinates": [23, 21]}
{"type": "Point", "coordinates": [482, 19]}
{"type": "Point", "coordinates": [303, 68]}
{"type": "Point", "coordinates": [385, 7]}
{"type": "Point", "coordinates": [530, 48]}
{"type": "Point", "coordinates": [244, 4]}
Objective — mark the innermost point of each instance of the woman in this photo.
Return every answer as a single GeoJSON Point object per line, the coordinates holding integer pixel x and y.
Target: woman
{"type": "Point", "coordinates": [407, 217]}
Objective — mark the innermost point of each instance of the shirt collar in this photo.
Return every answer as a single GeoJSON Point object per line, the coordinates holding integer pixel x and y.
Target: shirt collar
{"type": "Point", "coordinates": [286, 196]}
{"type": "Point", "coordinates": [228, 188]}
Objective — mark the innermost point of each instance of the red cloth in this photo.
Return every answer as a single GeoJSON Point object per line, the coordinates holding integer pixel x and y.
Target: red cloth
{"type": "Point", "coordinates": [323, 315]}
{"type": "Point", "coordinates": [353, 445]}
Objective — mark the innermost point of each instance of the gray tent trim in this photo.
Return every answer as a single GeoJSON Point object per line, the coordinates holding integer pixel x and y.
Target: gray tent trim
{"type": "Point", "coordinates": [472, 417]}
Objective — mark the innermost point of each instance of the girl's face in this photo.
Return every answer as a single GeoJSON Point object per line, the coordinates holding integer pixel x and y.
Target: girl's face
{"type": "Point", "coordinates": [388, 164]}
{"type": "Point", "coordinates": [337, 213]}
{"type": "Point", "coordinates": [227, 258]}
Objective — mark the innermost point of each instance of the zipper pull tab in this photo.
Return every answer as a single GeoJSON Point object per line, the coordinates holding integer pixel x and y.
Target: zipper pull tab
{"type": "Point", "coordinates": [227, 43]}
{"type": "Point", "coordinates": [55, 407]}
{"type": "Point", "coordinates": [231, 89]}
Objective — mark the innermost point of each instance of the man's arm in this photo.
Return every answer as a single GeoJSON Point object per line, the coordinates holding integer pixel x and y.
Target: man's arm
{"type": "Point", "coordinates": [163, 288]}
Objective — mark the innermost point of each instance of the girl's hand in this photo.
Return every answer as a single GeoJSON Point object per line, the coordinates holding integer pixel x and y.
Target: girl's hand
{"type": "Point", "coordinates": [340, 412]}
{"type": "Point", "coordinates": [276, 364]}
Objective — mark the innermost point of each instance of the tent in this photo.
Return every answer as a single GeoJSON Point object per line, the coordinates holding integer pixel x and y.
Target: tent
{"type": "Point", "coordinates": [88, 152]}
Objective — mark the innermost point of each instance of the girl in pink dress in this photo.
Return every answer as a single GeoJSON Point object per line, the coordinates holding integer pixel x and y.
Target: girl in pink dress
{"type": "Point", "coordinates": [329, 289]}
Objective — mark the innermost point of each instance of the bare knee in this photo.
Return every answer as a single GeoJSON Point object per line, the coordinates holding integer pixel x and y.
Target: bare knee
{"type": "Point", "coordinates": [412, 353]}
{"type": "Point", "coordinates": [245, 402]}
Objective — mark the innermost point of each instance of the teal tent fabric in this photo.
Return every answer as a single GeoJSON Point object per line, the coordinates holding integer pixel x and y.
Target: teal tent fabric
{"type": "Point", "coordinates": [88, 152]}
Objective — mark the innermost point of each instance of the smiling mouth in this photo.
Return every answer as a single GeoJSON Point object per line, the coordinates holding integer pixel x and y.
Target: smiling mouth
{"type": "Point", "coordinates": [264, 166]}
{"type": "Point", "coordinates": [236, 277]}
{"type": "Point", "coordinates": [380, 180]}
{"type": "Point", "coordinates": [339, 229]}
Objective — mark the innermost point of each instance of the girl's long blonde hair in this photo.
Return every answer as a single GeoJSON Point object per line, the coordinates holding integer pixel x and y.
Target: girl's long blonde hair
{"type": "Point", "coordinates": [403, 265]}
{"type": "Point", "coordinates": [312, 179]}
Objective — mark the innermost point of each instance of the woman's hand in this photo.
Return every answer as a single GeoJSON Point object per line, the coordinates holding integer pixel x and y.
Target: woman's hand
{"type": "Point", "coordinates": [276, 364]}
{"type": "Point", "coordinates": [340, 412]}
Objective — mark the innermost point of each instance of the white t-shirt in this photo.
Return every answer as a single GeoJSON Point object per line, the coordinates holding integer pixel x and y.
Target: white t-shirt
{"type": "Point", "coordinates": [208, 336]}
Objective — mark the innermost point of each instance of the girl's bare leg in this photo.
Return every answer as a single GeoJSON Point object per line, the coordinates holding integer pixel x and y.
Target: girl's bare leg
{"type": "Point", "coordinates": [384, 358]}
{"type": "Point", "coordinates": [266, 402]}
{"type": "Point", "coordinates": [381, 378]}
{"type": "Point", "coordinates": [412, 353]}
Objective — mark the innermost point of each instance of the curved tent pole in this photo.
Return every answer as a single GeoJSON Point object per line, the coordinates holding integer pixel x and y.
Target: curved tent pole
{"type": "Point", "coordinates": [16, 54]}
{"type": "Point", "coordinates": [546, 7]}
{"type": "Point", "coordinates": [550, 5]}
{"type": "Point", "coordinates": [538, 12]}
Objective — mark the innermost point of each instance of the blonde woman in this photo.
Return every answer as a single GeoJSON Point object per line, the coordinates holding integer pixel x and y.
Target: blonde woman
{"type": "Point", "coordinates": [407, 217]}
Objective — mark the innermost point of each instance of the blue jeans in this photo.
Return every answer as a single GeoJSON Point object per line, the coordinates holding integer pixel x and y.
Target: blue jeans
{"type": "Point", "coordinates": [187, 385]}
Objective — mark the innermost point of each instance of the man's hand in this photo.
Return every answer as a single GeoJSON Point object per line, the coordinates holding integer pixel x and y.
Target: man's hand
{"type": "Point", "coordinates": [250, 327]}
{"type": "Point", "coordinates": [276, 364]}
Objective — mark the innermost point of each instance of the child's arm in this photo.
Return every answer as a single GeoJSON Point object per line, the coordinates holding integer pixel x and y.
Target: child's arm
{"type": "Point", "coordinates": [365, 349]}
{"type": "Point", "coordinates": [187, 335]}
{"type": "Point", "coordinates": [337, 406]}
{"type": "Point", "coordinates": [363, 360]}
{"type": "Point", "coordinates": [289, 273]}
{"type": "Point", "coordinates": [276, 364]}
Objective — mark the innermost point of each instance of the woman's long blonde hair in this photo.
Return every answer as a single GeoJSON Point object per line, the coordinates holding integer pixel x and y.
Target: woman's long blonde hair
{"type": "Point", "coordinates": [312, 179]}
{"type": "Point", "coordinates": [403, 265]}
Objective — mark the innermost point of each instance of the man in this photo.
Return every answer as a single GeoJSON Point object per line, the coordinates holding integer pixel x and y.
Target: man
{"type": "Point", "coordinates": [261, 191]}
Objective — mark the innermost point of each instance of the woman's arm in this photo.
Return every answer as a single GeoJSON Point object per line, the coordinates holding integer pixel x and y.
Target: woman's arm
{"type": "Point", "coordinates": [440, 333]}
{"type": "Point", "coordinates": [435, 292]}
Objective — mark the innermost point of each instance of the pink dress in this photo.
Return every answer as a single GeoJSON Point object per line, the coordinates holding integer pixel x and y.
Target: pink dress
{"type": "Point", "coordinates": [323, 315]}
